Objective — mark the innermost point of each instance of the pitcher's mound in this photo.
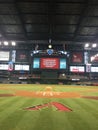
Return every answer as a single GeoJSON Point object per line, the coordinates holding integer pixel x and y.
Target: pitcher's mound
{"type": "Point", "coordinates": [48, 94]}
{"type": "Point", "coordinates": [48, 89]}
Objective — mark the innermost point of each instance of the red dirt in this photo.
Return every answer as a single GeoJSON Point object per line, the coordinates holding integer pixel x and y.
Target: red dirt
{"type": "Point", "coordinates": [6, 95]}
{"type": "Point", "coordinates": [48, 94]}
{"type": "Point", "coordinates": [91, 97]}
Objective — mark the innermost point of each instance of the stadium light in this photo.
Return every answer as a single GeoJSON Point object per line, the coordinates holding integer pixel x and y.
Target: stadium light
{"type": "Point", "coordinates": [13, 43]}
{"type": "Point", "coordinates": [50, 46]}
{"type": "Point", "coordinates": [63, 74]}
{"type": "Point", "coordinates": [6, 43]}
{"type": "Point", "coordinates": [86, 45]}
{"type": "Point", "coordinates": [94, 45]}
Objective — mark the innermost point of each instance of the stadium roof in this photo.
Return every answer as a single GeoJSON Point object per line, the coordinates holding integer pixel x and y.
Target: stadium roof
{"type": "Point", "coordinates": [44, 21]}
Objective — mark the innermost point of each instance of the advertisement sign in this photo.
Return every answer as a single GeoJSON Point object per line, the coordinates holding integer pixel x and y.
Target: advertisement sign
{"type": "Point", "coordinates": [77, 69]}
{"type": "Point", "coordinates": [4, 55]}
{"type": "Point", "coordinates": [62, 63]}
{"type": "Point", "coordinates": [77, 57]}
{"type": "Point", "coordinates": [36, 63]}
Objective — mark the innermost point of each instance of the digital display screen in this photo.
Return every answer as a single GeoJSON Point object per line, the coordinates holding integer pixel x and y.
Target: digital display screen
{"type": "Point", "coordinates": [4, 55]}
{"type": "Point", "coordinates": [77, 69]}
{"type": "Point", "coordinates": [26, 67]}
{"type": "Point", "coordinates": [3, 66]}
{"type": "Point", "coordinates": [94, 69]}
{"type": "Point", "coordinates": [36, 63]}
{"type": "Point", "coordinates": [22, 67]}
{"type": "Point", "coordinates": [22, 56]}
{"type": "Point", "coordinates": [49, 63]}
{"type": "Point", "coordinates": [62, 63]}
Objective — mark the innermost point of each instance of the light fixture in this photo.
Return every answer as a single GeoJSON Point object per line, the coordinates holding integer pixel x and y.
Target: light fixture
{"type": "Point", "coordinates": [94, 45]}
{"type": "Point", "coordinates": [63, 74]}
{"type": "Point", "coordinates": [13, 43]}
{"type": "Point", "coordinates": [6, 43]}
{"type": "Point", "coordinates": [86, 45]}
{"type": "Point", "coordinates": [50, 46]}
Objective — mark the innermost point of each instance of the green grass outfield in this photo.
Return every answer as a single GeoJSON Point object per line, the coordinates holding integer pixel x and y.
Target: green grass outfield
{"type": "Point", "coordinates": [84, 114]}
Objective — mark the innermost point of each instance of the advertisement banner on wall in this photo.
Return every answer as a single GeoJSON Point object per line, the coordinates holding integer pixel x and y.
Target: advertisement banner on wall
{"type": "Point", "coordinates": [88, 68]}
{"type": "Point", "coordinates": [77, 69]}
{"type": "Point", "coordinates": [4, 55]}
{"type": "Point", "coordinates": [77, 57]}
{"type": "Point", "coordinates": [10, 66]}
{"type": "Point", "coordinates": [22, 56]}
{"type": "Point", "coordinates": [94, 57]}
{"type": "Point", "coordinates": [13, 56]}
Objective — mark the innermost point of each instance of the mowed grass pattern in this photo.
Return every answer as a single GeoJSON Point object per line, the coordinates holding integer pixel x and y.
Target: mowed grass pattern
{"type": "Point", "coordinates": [13, 115]}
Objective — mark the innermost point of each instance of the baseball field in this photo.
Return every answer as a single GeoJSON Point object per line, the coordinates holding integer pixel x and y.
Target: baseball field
{"type": "Point", "coordinates": [48, 107]}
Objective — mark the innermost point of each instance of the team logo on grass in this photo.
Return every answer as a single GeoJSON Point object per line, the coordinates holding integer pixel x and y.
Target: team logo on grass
{"type": "Point", "coordinates": [57, 105]}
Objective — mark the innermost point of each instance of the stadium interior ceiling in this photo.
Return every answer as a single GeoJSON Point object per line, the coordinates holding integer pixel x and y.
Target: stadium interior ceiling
{"type": "Point", "coordinates": [66, 23]}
